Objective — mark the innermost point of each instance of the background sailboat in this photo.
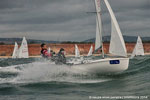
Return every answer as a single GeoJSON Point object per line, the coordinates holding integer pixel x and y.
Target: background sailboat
{"type": "Point", "coordinates": [49, 50]}
{"type": "Point", "coordinates": [15, 52]}
{"type": "Point", "coordinates": [23, 50]}
{"type": "Point", "coordinates": [90, 51]}
{"type": "Point", "coordinates": [138, 50]}
{"type": "Point", "coordinates": [77, 52]}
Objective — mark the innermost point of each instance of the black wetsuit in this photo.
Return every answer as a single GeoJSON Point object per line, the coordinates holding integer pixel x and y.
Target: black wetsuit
{"type": "Point", "coordinates": [43, 51]}
{"type": "Point", "coordinates": [60, 59]}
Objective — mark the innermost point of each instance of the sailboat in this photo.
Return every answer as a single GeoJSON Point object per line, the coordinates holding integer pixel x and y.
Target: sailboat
{"type": "Point", "coordinates": [90, 51]}
{"type": "Point", "coordinates": [138, 50]}
{"type": "Point", "coordinates": [117, 47]}
{"type": "Point", "coordinates": [78, 59]}
{"type": "Point", "coordinates": [49, 50]}
{"type": "Point", "coordinates": [15, 52]}
{"type": "Point", "coordinates": [23, 50]}
{"type": "Point", "coordinates": [77, 52]}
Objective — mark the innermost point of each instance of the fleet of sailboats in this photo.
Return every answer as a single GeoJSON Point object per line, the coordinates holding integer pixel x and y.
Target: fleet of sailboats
{"type": "Point", "coordinates": [21, 52]}
{"type": "Point", "coordinates": [138, 49]}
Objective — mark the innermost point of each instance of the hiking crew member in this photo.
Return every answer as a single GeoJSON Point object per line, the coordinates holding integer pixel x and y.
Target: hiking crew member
{"type": "Point", "coordinates": [61, 59]}
{"type": "Point", "coordinates": [44, 51]}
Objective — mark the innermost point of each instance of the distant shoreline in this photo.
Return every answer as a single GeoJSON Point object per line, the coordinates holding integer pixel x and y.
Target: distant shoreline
{"type": "Point", "coordinates": [35, 49]}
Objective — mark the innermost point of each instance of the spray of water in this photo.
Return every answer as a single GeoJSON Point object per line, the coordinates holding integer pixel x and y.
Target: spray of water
{"type": "Point", "coordinates": [46, 72]}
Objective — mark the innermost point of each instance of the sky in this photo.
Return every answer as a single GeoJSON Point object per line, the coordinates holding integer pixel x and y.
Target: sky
{"type": "Point", "coordinates": [68, 20]}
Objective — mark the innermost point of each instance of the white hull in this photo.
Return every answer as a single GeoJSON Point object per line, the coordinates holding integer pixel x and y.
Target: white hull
{"type": "Point", "coordinates": [107, 65]}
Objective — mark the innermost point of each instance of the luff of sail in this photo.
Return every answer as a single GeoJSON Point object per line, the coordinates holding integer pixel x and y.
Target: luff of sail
{"type": "Point", "coordinates": [117, 44]}
{"type": "Point", "coordinates": [90, 51]}
{"type": "Point", "coordinates": [77, 52]}
{"type": "Point", "coordinates": [138, 50]}
{"type": "Point", "coordinates": [98, 40]}
{"type": "Point", "coordinates": [15, 52]}
{"type": "Point", "coordinates": [23, 50]}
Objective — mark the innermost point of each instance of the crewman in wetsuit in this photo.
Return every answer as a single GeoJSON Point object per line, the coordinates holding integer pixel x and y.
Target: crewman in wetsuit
{"type": "Point", "coordinates": [44, 51]}
{"type": "Point", "coordinates": [53, 55]}
{"type": "Point", "coordinates": [61, 59]}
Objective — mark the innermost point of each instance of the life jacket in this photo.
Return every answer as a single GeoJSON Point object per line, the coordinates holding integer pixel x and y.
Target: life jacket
{"type": "Point", "coordinates": [43, 52]}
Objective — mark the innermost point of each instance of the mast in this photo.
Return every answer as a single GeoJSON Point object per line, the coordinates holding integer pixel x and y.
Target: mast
{"type": "Point", "coordinates": [99, 23]}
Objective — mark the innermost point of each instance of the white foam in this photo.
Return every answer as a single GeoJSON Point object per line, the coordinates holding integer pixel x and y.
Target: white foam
{"type": "Point", "coordinates": [9, 69]}
{"type": "Point", "coordinates": [46, 71]}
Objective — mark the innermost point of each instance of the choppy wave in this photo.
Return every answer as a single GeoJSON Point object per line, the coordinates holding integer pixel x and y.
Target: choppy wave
{"type": "Point", "coordinates": [35, 71]}
{"type": "Point", "coordinates": [43, 72]}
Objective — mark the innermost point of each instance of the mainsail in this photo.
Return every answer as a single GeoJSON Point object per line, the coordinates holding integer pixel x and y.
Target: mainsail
{"type": "Point", "coordinates": [117, 44]}
{"type": "Point", "coordinates": [98, 40]}
{"type": "Point", "coordinates": [23, 50]}
{"type": "Point", "coordinates": [138, 50]}
{"type": "Point", "coordinates": [77, 52]}
{"type": "Point", "coordinates": [15, 52]}
{"type": "Point", "coordinates": [90, 51]}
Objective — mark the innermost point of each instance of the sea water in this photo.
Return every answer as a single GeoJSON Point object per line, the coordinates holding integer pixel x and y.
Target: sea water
{"type": "Point", "coordinates": [39, 79]}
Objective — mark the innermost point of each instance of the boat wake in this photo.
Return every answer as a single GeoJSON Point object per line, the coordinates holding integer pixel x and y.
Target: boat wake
{"type": "Point", "coordinates": [44, 72]}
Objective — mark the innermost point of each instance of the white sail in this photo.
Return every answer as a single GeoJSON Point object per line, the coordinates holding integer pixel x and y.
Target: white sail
{"type": "Point", "coordinates": [138, 50]}
{"type": "Point", "coordinates": [90, 51]}
{"type": "Point", "coordinates": [49, 50]}
{"type": "Point", "coordinates": [77, 52]}
{"type": "Point", "coordinates": [98, 40]}
{"type": "Point", "coordinates": [117, 44]}
{"type": "Point", "coordinates": [15, 52]}
{"type": "Point", "coordinates": [23, 50]}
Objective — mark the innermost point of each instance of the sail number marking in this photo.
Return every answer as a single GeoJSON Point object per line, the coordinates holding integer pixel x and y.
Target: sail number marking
{"type": "Point", "coordinates": [114, 62]}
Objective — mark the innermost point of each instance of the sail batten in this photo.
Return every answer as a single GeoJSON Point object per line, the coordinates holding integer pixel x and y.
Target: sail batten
{"type": "Point", "coordinates": [117, 44]}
